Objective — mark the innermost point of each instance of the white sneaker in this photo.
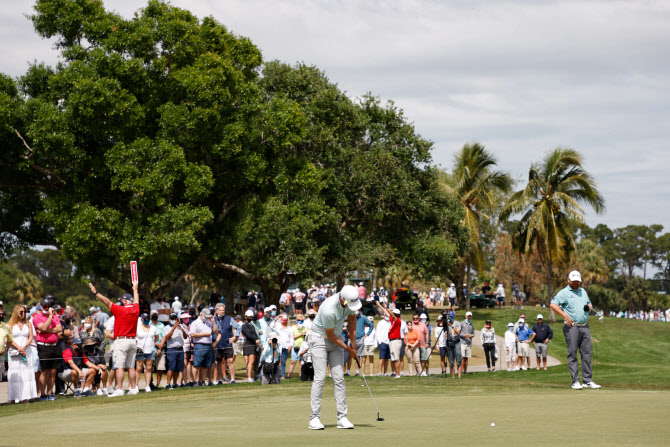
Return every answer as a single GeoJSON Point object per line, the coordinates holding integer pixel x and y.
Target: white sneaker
{"type": "Point", "coordinates": [402, 374]}
{"type": "Point", "coordinates": [395, 377]}
{"type": "Point", "coordinates": [576, 386]}
{"type": "Point", "coordinates": [250, 380]}
{"type": "Point", "coordinates": [105, 392]}
{"type": "Point", "coordinates": [423, 374]}
{"type": "Point", "coordinates": [147, 389]}
{"type": "Point", "coordinates": [110, 389]}
{"type": "Point", "coordinates": [516, 368]}
{"type": "Point", "coordinates": [591, 385]}
{"type": "Point", "coordinates": [524, 368]}
{"type": "Point", "coordinates": [133, 391]}
{"type": "Point", "coordinates": [99, 392]}
{"type": "Point", "coordinates": [117, 393]}
{"type": "Point", "coordinates": [315, 424]}
{"type": "Point", "coordinates": [344, 423]}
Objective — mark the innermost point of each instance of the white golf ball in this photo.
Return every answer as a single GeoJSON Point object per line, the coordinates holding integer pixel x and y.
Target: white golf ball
{"type": "Point", "coordinates": [493, 424]}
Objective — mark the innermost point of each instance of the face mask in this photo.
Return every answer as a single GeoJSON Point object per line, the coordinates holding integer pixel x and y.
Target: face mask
{"type": "Point", "coordinates": [273, 313]}
{"type": "Point", "coordinates": [387, 318]}
{"type": "Point", "coordinates": [311, 317]}
{"type": "Point", "coordinates": [250, 320]}
{"type": "Point", "coordinates": [87, 325]}
{"type": "Point", "coordinates": [45, 311]}
{"type": "Point", "coordinates": [154, 318]}
{"type": "Point", "coordinates": [173, 322]}
{"type": "Point", "coordinates": [145, 321]}
{"type": "Point", "coordinates": [423, 320]}
{"type": "Point", "coordinates": [284, 321]}
{"type": "Point", "coordinates": [300, 322]}
{"type": "Point", "coordinates": [186, 320]}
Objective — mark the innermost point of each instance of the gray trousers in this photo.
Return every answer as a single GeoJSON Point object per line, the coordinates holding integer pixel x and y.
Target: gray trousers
{"type": "Point", "coordinates": [578, 338]}
{"type": "Point", "coordinates": [325, 352]}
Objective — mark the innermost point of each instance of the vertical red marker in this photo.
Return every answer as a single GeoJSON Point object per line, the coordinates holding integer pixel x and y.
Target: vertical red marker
{"type": "Point", "coordinates": [133, 272]}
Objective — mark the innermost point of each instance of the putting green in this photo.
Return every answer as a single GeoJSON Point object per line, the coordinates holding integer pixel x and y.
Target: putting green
{"type": "Point", "coordinates": [415, 410]}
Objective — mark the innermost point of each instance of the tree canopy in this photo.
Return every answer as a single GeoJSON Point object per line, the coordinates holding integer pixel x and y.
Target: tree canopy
{"type": "Point", "coordinates": [163, 138]}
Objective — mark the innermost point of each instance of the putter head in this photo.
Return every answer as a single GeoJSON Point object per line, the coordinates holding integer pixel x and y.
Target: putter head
{"type": "Point", "coordinates": [380, 419]}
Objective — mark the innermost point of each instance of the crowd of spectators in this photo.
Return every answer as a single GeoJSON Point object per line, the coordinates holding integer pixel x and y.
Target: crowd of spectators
{"type": "Point", "coordinates": [652, 315]}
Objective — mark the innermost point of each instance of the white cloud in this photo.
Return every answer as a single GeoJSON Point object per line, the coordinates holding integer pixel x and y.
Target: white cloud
{"type": "Point", "coordinates": [521, 77]}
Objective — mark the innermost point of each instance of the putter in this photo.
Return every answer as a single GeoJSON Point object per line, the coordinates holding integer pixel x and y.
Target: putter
{"type": "Point", "coordinates": [366, 384]}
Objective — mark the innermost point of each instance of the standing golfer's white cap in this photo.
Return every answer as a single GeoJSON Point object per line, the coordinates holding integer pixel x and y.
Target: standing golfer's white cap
{"type": "Point", "coordinates": [575, 276]}
{"type": "Point", "coordinates": [350, 295]}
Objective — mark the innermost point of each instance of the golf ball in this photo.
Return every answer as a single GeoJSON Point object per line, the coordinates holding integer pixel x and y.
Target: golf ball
{"type": "Point", "coordinates": [493, 424]}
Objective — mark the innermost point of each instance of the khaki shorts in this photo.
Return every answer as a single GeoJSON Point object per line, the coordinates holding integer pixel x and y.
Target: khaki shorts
{"type": "Point", "coordinates": [66, 375]}
{"type": "Point", "coordinates": [237, 347]}
{"type": "Point", "coordinates": [524, 349]}
{"type": "Point", "coordinates": [369, 350]}
{"type": "Point", "coordinates": [466, 351]}
{"type": "Point", "coordinates": [160, 362]}
{"type": "Point", "coordinates": [394, 347]}
{"type": "Point", "coordinates": [125, 350]}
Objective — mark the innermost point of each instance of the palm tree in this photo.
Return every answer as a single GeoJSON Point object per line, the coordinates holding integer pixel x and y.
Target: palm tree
{"type": "Point", "coordinates": [476, 185]}
{"type": "Point", "coordinates": [549, 203]}
{"type": "Point", "coordinates": [28, 288]}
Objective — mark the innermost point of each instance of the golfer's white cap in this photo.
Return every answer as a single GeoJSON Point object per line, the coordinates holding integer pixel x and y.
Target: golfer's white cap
{"type": "Point", "coordinates": [510, 324]}
{"type": "Point", "coordinates": [540, 317]}
{"type": "Point", "coordinates": [396, 311]}
{"type": "Point", "coordinates": [575, 276]}
{"type": "Point", "coordinates": [350, 295]}
{"type": "Point", "coordinates": [468, 314]}
{"type": "Point", "coordinates": [249, 313]}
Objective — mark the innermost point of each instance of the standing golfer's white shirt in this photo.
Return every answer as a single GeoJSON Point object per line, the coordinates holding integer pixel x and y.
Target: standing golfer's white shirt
{"type": "Point", "coordinates": [332, 315]}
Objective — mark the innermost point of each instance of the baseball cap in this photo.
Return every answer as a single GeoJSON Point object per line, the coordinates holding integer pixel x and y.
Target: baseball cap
{"type": "Point", "coordinates": [173, 315]}
{"type": "Point", "coordinates": [396, 311]}
{"type": "Point", "coordinates": [176, 298]}
{"type": "Point", "coordinates": [89, 342]}
{"type": "Point", "coordinates": [272, 335]}
{"type": "Point", "coordinates": [266, 310]}
{"type": "Point", "coordinates": [350, 295]}
{"type": "Point", "coordinates": [539, 317]}
{"type": "Point", "coordinates": [452, 285]}
{"type": "Point", "coordinates": [191, 306]}
{"type": "Point", "coordinates": [144, 316]}
{"type": "Point", "coordinates": [76, 341]}
{"type": "Point", "coordinates": [439, 317]}
{"type": "Point", "coordinates": [575, 276]}
{"type": "Point", "coordinates": [127, 297]}
{"type": "Point", "coordinates": [468, 314]}
{"type": "Point", "coordinates": [98, 309]}
{"type": "Point", "coordinates": [154, 312]}
{"type": "Point", "coordinates": [273, 307]}
{"type": "Point", "coordinates": [510, 324]}
{"type": "Point", "coordinates": [249, 313]}
{"type": "Point", "coordinates": [238, 317]}
{"type": "Point", "coordinates": [92, 309]}
{"type": "Point", "coordinates": [452, 313]}
{"type": "Point", "coordinates": [311, 312]}
{"type": "Point", "coordinates": [206, 313]}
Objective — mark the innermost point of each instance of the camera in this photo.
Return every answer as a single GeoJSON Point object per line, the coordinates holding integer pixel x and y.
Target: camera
{"type": "Point", "coordinates": [586, 308]}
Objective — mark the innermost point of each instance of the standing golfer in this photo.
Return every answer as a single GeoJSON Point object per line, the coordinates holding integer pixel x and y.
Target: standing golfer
{"type": "Point", "coordinates": [573, 304]}
{"type": "Point", "coordinates": [327, 349]}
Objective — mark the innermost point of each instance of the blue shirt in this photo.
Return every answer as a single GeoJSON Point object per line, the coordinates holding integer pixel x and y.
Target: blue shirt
{"type": "Point", "coordinates": [266, 355]}
{"type": "Point", "coordinates": [226, 327]}
{"type": "Point", "coordinates": [361, 323]}
{"type": "Point", "coordinates": [524, 333]}
{"type": "Point", "coordinates": [572, 303]}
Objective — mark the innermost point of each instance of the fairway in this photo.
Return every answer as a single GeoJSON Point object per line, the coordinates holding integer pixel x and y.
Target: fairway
{"type": "Point", "coordinates": [416, 410]}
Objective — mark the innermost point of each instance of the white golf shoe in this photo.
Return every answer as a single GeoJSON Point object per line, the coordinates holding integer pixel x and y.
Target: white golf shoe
{"type": "Point", "coordinates": [591, 385]}
{"type": "Point", "coordinates": [344, 423]}
{"type": "Point", "coordinates": [576, 386]}
{"type": "Point", "coordinates": [315, 424]}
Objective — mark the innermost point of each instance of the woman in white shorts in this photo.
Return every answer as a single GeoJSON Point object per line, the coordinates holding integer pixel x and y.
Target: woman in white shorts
{"type": "Point", "coordinates": [369, 347]}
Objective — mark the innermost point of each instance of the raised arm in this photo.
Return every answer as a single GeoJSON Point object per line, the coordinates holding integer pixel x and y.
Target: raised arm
{"type": "Point", "coordinates": [99, 296]}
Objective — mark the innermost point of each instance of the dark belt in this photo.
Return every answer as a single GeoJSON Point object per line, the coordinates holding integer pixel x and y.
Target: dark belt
{"type": "Point", "coordinates": [395, 339]}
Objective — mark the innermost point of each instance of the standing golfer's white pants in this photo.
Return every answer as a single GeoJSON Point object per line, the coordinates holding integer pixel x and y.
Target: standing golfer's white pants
{"type": "Point", "coordinates": [325, 352]}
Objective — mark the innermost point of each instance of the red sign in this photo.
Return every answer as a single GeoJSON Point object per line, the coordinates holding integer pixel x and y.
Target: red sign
{"type": "Point", "coordinates": [133, 272]}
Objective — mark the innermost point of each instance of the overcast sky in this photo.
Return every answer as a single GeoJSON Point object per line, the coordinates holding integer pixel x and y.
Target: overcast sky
{"type": "Point", "coordinates": [520, 77]}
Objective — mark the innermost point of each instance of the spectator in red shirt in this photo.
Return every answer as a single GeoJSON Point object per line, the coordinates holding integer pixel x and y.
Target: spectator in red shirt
{"type": "Point", "coordinates": [75, 360]}
{"type": "Point", "coordinates": [395, 340]}
{"type": "Point", "coordinates": [125, 331]}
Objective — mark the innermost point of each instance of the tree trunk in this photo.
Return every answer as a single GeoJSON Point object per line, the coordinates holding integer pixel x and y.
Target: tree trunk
{"type": "Point", "coordinates": [467, 282]}
{"type": "Point", "coordinates": [339, 281]}
{"type": "Point", "coordinates": [550, 287]}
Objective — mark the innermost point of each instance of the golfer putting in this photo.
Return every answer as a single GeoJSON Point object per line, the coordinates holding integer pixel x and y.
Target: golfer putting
{"type": "Point", "coordinates": [327, 349]}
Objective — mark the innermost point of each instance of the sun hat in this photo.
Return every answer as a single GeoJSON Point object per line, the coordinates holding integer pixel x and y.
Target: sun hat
{"type": "Point", "coordinates": [510, 324]}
